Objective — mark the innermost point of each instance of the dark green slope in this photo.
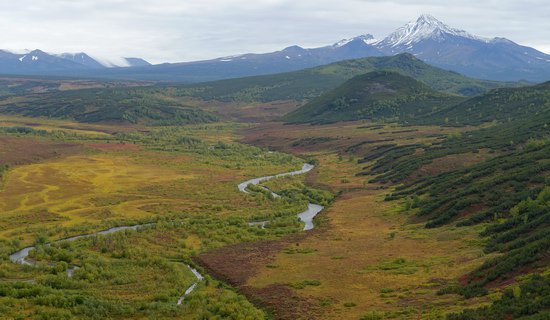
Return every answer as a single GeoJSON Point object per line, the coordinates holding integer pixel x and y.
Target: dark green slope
{"type": "Point", "coordinates": [125, 105]}
{"type": "Point", "coordinates": [508, 193]}
{"type": "Point", "coordinates": [529, 301]}
{"type": "Point", "coordinates": [375, 95]}
{"type": "Point", "coordinates": [502, 105]}
{"type": "Point", "coordinates": [311, 83]}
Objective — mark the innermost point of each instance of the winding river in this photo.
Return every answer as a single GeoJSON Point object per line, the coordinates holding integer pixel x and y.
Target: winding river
{"type": "Point", "coordinates": [306, 216]}
{"type": "Point", "coordinates": [21, 256]}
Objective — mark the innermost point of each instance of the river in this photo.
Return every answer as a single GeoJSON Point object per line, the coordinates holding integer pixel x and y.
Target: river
{"type": "Point", "coordinates": [21, 256]}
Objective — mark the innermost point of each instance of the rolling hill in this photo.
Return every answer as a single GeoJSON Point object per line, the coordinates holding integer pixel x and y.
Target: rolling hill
{"type": "Point", "coordinates": [389, 95]}
{"type": "Point", "coordinates": [311, 83]}
{"type": "Point", "coordinates": [120, 105]}
{"type": "Point", "coordinates": [502, 105]}
{"type": "Point", "coordinates": [375, 95]}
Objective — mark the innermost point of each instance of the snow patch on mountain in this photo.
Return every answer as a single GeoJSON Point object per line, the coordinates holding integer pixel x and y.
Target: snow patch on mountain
{"type": "Point", "coordinates": [72, 56]}
{"type": "Point", "coordinates": [230, 58]}
{"type": "Point", "coordinates": [366, 38]}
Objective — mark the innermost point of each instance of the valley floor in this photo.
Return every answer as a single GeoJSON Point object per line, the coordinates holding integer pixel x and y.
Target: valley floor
{"type": "Point", "coordinates": [367, 258]}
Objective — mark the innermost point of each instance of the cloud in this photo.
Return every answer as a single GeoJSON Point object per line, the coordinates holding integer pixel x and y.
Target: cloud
{"type": "Point", "coordinates": [176, 30]}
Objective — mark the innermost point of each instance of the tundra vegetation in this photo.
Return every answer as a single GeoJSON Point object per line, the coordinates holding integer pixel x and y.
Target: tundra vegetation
{"type": "Point", "coordinates": [437, 205]}
{"type": "Point", "coordinates": [180, 182]}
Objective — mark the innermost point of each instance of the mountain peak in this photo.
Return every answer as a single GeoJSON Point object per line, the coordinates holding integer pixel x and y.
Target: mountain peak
{"type": "Point", "coordinates": [37, 51]}
{"type": "Point", "coordinates": [425, 27]}
{"type": "Point", "coordinates": [293, 48]}
{"type": "Point", "coordinates": [428, 18]}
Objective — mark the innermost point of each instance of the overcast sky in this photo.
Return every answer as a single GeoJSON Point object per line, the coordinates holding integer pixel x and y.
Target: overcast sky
{"type": "Point", "coordinates": [184, 30]}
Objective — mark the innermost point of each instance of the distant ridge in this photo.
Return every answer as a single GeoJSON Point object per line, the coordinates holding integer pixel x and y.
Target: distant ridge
{"type": "Point", "coordinates": [310, 83]}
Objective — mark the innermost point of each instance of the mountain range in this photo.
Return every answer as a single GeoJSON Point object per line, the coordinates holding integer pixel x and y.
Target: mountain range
{"type": "Point", "coordinates": [38, 62]}
{"type": "Point", "coordinates": [426, 38]}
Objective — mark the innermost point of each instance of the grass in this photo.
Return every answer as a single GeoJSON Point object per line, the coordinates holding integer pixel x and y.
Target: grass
{"type": "Point", "coordinates": [397, 266]}
{"type": "Point", "coordinates": [384, 241]}
{"type": "Point", "coordinates": [305, 283]}
{"type": "Point", "coordinates": [184, 179]}
{"type": "Point", "coordinates": [367, 258]}
{"type": "Point", "coordinates": [99, 187]}
{"type": "Point", "coordinates": [368, 251]}
{"type": "Point", "coordinates": [358, 232]}
{"type": "Point", "coordinates": [77, 190]}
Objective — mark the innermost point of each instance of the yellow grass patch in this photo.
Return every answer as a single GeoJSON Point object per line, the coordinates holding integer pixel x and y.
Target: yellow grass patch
{"type": "Point", "coordinates": [96, 130]}
{"type": "Point", "coordinates": [370, 258]}
{"type": "Point", "coordinates": [78, 189]}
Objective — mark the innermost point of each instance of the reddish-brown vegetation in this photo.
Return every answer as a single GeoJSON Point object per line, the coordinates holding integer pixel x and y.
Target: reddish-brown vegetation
{"type": "Point", "coordinates": [235, 264]}
{"type": "Point", "coordinates": [19, 151]}
{"type": "Point", "coordinates": [115, 146]}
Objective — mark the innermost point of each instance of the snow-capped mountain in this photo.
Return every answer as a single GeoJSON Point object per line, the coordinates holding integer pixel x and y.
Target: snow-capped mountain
{"type": "Point", "coordinates": [35, 61]}
{"type": "Point", "coordinates": [438, 44]}
{"type": "Point", "coordinates": [426, 37]}
{"type": "Point", "coordinates": [38, 62]}
{"type": "Point", "coordinates": [426, 27]}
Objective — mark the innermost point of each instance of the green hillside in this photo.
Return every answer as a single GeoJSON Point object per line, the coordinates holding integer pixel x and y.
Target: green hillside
{"type": "Point", "coordinates": [311, 83]}
{"type": "Point", "coordinates": [502, 105]}
{"type": "Point", "coordinates": [509, 192]}
{"type": "Point", "coordinates": [375, 95]}
{"type": "Point", "coordinates": [127, 105]}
